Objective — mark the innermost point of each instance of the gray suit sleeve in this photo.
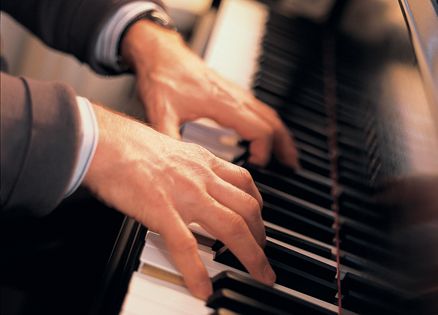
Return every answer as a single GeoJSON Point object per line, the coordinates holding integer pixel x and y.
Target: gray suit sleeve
{"type": "Point", "coordinates": [39, 144]}
{"type": "Point", "coordinates": [71, 26]}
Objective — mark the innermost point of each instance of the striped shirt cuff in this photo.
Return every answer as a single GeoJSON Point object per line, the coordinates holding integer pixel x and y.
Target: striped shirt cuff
{"type": "Point", "coordinates": [106, 49]}
{"type": "Point", "coordinates": [87, 143]}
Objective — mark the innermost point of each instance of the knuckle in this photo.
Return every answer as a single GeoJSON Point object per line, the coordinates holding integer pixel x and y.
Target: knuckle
{"type": "Point", "coordinates": [236, 225]}
{"type": "Point", "coordinates": [254, 210]}
{"type": "Point", "coordinates": [269, 132]}
{"type": "Point", "coordinates": [246, 177]}
{"type": "Point", "coordinates": [184, 245]}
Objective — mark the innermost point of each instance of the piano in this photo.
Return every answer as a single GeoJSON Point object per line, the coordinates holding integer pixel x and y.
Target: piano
{"type": "Point", "coordinates": [353, 231]}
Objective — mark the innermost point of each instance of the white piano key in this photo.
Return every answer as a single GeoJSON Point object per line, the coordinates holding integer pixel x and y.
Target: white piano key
{"type": "Point", "coordinates": [235, 43]}
{"type": "Point", "coordinates": [156, 254]}
{"type": "Point", "coordinates": [148, 295]}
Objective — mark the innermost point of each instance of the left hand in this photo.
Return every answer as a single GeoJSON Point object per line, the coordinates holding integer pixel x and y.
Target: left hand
{"type": "Point", "coordinates": [176, 86]}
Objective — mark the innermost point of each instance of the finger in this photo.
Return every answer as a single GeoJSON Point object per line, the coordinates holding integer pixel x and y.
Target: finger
{"type": "Point", "coordinates": [232, 230]}
{"type": "Point", "coordinates": [242, 203]}
{"type": "Point", "coordinates": [237, 176]}
{"type": "Point", "coordinates": [284, 146]}
{"type": "Point", "coordinates": [184, 252]}
{"type": "Point", "coordinates": [250, 127]}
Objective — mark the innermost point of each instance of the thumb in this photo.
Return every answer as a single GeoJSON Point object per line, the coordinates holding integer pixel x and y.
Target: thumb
{"type": "Point", "coordinates": [167, 122]}
{"type": "Point", "coordinates": [168, 126]}
{"type": "Point", "coordinates": [163, 117]}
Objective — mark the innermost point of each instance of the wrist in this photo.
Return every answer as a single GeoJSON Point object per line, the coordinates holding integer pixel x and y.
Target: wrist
{"type": "Point", "coordinates": [141, 46]}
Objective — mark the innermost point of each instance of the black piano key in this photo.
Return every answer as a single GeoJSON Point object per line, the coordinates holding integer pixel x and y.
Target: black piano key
{"type": "Point", "coordinates": [296, 205]}
{"type": "Point", "coordinates": [299, 242]}
{"type": "Point", "coordinates": [355, 262]}
{"type": "Point", "coordinates": [316, 181]}
{"type": "Point", "coordinates": [292, 112]}
{"type": "Point", "coordinates": [370, 293]}
{"type": "Point", "coordinates": [342, 121]}
{"type": "Point", "coordinates": [300, 261]}
{"type": "Point", "coordinates": [308, 140]}
{"type": "Point", "coordinates": [299, 109]}
{"type": "Point", "coordinates": [272, 58]}
{"type": "Point", "coordinates": [306, 127]}
{"type": "Point", "coordinates": [362, 231]}
{"type": "Point", "coordinates": [358, 167]}
{"type": "Point", "coordinates": [285, 51]}
{"type": "Point", "coordinates": [297, 188]}
{"type": "Point", "coordinates": [361, 199]}
{"type": "Point", "coordinates": [273, 77]}
{"type": "Point", "coordinates": [364, 304]}
{"type": "Point", "coordinates": [313, 151]}
{"type": "Point", "coordinates": [288, 50]}
{"type": "Point", "coordinates": [298, 223]}
{"type": "Point", "coordinates": [239, 303]}
{"type": "Point", "coordinates": [314, 165]}
{"type": "Point", "coordinates": [271, 99]}
{"type": "Point", "coordinates": [272, 64]}
{"type": "Point", "coordinates": [304, 282]}
{"type": "Point", "coordinates": [357, 135]}
{"type": "Point", "coordinates": [217, 245]}
{"type": "Point", "coordinates": [352, 155]}
{"type": "Point", "coordinates": [296, 123]}
{"type": "Point", "coordinates": [314, 103]}
{"type": "Point", "coordinates": [348, 179]}
{"type": "Point", "coordinates": [365, 249]}
{"type": "Point", "coordinates": [289, 276]}
{"type": "Point", "coordinates": [352, 147]}
{"type": "Point", "coordinates": [288, 256]}
{"type": "Point", "coordinates": [305, 133]}
{"type": "Point", "coordinates": [362, 215]}
{"type": "Point", "coordinates": [265, 294]}
{"type": "Point", "coordinates": [272, 87]}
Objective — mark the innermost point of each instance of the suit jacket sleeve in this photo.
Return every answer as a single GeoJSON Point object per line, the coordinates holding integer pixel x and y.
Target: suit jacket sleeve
{"type": "Point", "coordinates": [39, 132]}
{"type": "Point", "coordinates": [71, 26]}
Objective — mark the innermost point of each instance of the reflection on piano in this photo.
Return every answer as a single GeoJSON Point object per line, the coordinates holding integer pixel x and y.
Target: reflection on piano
{"type": "Point", "coordinates": [355, 229]}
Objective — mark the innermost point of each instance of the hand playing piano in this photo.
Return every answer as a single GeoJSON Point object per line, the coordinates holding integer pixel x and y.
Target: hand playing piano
{"type": "Point", "coordinates": [166, 184]}
{"type": "Point", "coordinates": [176, 86]}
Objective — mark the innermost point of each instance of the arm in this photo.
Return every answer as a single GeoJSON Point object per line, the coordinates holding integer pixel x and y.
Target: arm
{"type": "Point", "coordinates": [136, 170]}
{"type": "Point", "coordinates": [40, 128]}
{"type": "Point", "coordinates": [72, 26]}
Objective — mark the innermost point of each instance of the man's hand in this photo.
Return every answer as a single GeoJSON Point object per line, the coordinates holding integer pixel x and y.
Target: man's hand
{"type": "Point", "coordinates": [166, 184]}
{"type": "Point", "coordinates": [176, 86]}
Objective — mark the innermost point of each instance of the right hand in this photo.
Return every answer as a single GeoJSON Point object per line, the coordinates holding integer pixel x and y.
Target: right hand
{"type": "Point", "coordinates": [166, 184]}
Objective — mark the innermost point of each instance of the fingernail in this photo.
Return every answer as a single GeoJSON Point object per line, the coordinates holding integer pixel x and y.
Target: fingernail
{"type": "Point", "coordinates": [269, 275]}
{"type": "Point", "coordinates": [203, 290]}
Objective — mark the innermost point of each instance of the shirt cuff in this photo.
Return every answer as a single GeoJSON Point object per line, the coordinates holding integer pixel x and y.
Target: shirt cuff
{"type": "Point", "coordinates": [87, 145]}
{"type": "Point", "coordinates": [106, 49]}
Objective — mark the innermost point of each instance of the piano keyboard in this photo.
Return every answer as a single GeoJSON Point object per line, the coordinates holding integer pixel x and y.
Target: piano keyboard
{"type": "Point", "coordinates": [326, 238]}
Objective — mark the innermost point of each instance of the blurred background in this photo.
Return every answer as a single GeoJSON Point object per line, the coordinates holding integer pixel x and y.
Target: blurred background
{"type": "Point", "coordinates": [28, 56]}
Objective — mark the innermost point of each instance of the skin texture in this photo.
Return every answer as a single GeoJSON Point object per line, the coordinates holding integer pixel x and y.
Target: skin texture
{"type": "Point", "coordinates": [176, 86]}
{"type": "Point", "coordinates": [166, 184]}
